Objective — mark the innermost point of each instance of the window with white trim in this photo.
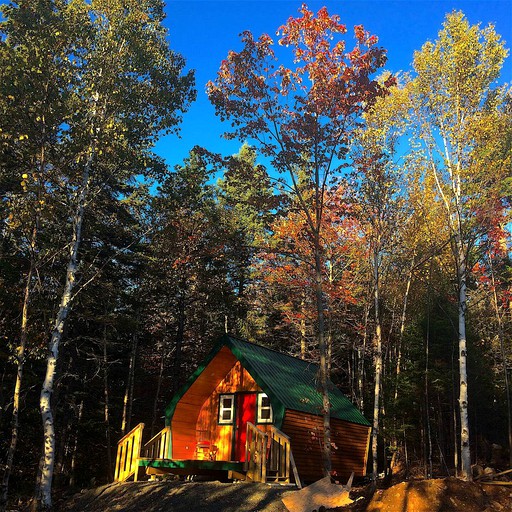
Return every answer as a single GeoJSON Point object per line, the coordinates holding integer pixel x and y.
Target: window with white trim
{"type": "Point", "coordinates": [264, 414]}
{"type": "Point", "coordinates": [226, 409]}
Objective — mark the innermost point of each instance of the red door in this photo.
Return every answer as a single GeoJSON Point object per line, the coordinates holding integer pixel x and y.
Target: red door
{"type": "Point", "coordinates": [245, 412]}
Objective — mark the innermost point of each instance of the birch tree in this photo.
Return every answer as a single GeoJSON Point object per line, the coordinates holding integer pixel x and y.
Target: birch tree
{"type": "Point", "coordinates": [33, 72]}
{"type": "Point", "coordinates": [454, 80]}
{"type": "Point", "coordinates": [127, 88]}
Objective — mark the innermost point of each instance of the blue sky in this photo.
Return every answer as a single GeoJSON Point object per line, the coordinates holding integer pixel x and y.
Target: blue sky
{"type": "Point", "coordinates": [203, 31]}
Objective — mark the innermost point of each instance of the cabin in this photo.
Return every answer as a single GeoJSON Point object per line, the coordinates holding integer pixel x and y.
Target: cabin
{"type": "Point", "coordinates": [254, 413]}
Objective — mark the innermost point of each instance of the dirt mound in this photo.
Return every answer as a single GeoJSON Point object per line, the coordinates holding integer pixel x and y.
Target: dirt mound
{"type": "Point", "coordinates": [442, 495]}
{"type": "Point", "coordinates": [178, 497]}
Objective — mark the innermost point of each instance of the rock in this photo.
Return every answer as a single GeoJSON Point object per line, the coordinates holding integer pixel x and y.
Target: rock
{"type": "Point", "coordinates": [477, 470]}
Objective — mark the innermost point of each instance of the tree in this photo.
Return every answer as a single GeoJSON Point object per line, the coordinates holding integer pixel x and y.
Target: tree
{"type": "Point", "coordinates": [125, 87]}
{"type": "Point", "coordinates": [454, 78]}
{"type": "Point", "coordinates": [246, 199]}
{"type": "Point", "coordinates": [301, 118]}
{"type": "Point", "coordinates": [34, 72]}
{"type": "Point", "coordinates": [379, 207]}
{"type": "Point", "coordinates": [186, 279]}
{"type": "Point", "coordinates": [287, 270]}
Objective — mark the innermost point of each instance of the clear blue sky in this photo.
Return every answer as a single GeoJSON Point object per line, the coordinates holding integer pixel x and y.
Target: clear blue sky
{"type": "Point", "coordinates": [203, 31]}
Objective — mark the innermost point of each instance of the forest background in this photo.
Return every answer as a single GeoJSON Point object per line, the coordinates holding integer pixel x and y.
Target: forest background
{"type": "Point", "coordinates": [120, 270]}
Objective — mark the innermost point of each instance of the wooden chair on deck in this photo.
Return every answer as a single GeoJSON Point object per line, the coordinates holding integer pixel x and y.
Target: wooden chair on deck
{"type": "Point", "coordinates": [205, 450]}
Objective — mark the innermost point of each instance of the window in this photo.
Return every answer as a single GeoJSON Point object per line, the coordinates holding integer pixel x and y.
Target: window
{"type": "Point", "coordinates": [226, 409]}
{"type": "Point", "coordinates": [264, 409]}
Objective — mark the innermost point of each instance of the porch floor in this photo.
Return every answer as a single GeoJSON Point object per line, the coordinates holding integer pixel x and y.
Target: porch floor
{"type": "Point", "coordinates": [191, 466]}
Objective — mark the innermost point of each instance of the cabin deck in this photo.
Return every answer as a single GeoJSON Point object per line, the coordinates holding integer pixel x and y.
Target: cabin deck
{"type": "Point", "coordinates": [267, 457]}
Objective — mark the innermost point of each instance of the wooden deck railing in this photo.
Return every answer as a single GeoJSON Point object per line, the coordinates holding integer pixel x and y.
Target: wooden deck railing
{"type": "Point", "coordinates": [256, 444]}
{"type": "Point", "coordinates": [158, 446]}
{"type": "Point", "coordinates": [128, 452]}
{"type": "Point", "coordinates": [268, 456]}
{"type": "Point", "coordinates": [279, 455]}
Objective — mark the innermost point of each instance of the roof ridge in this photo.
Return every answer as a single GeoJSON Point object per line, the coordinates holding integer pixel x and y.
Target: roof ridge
{"type": "Point", "coordinates": [302, 361]}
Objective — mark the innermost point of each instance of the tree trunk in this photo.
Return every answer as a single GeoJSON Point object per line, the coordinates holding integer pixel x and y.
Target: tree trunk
{"type": "Point", "coordinates": [399, 349]}
{"type": "Point", "coordinates": [128, 392]}
{"type": "Point", "coordinates": [427, 398]}
{"type": "Point", "coordinates": [48, 458]}
{"type": "Point", "coordinates": [303, 346]}
{"type": "Point", "coordinates": [503, 360]}
{"type": "Point", "coordinates": [361, 354]}
{"type": "Point", "coordinates": [157, 393]}
{"type": "Point", "coordinates": [108, 440]}
{"type": "Point", "coordinates": [465, 452]}
{"type": "Point", "coordinates": [378, 365]}
{"type": "Point", "coordinates": [402, 326]}
{"type": "Point", "coordinates": [454, 417]}
{"type": "Point", "coordinates": [324, 364]}
{"type": "Point", "coordinates": [180, 333]}
{"type": "Point", "coordinates": [72, 476]}
{"type": "Point", "coordinates": [20, 358]}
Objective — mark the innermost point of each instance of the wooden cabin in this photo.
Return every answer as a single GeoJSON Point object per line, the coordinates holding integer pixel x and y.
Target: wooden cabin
{"type": "Point", "coordinates": [255, 413]}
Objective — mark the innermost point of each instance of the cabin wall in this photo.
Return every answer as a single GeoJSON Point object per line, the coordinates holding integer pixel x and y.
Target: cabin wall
{"type": "Point", "coordinates": [350, 445]}
{"type": "Point", "coordinates": [237, 380]}
{"type": "Point", "coordinates": [184, 420]}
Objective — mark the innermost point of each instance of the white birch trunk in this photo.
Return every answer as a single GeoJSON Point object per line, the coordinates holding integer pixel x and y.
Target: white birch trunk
{"type": "Point", "coordinates": [465, 453]}
{"type": "Point", "coordinates": [48, 458]}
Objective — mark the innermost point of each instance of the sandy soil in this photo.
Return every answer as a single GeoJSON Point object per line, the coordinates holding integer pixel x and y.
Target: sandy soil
{"type": "Point", "coordinates": [442, 495]}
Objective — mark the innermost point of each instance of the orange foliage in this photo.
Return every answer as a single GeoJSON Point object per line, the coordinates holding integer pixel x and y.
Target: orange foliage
{"type": "Point", "coordinates": [286, 262]}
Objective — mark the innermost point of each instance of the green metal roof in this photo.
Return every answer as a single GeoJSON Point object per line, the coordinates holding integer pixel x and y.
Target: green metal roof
{"type": "Point", "coordinates": [291, 382]}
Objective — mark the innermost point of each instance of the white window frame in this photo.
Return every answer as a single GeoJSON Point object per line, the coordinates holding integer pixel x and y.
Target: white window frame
{"type": "Point", "coordinates": [260, 408]}
{"type": "Point", "coordinates": [222, 409]}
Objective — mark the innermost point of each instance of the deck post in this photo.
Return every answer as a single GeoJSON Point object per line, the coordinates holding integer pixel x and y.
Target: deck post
{"type": "Point", "coordinates": [264, 442]}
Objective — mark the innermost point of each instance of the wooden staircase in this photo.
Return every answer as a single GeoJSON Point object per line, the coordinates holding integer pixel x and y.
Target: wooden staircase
{"type": "Point", "coordinates": [269, 457]}
{"type": "Point", "coordinates": [128, 453]}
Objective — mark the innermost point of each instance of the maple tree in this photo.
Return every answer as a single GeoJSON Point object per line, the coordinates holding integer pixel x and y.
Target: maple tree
{"type": "Point", "coordinates": [286, 267]}
{"type": "Point", "coordinates": [301, 118]}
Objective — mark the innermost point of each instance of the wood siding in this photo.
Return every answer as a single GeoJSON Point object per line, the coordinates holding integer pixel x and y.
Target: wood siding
{"type": "Point", "coordinates": [184, 420]}
{"type": "Point", "coordinates": [350, 445]}
{"type": "Point", "coordinates": [196, 416]}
